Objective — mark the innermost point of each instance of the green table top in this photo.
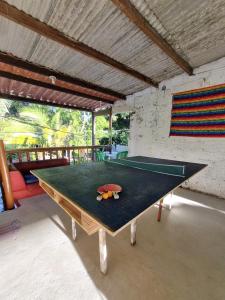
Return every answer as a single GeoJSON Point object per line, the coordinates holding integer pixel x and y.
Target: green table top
{"type": "Point", "coordinates": [141, 188]}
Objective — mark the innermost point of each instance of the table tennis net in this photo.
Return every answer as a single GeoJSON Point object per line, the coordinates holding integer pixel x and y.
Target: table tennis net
{"type": "Point", "coordinates": [167, 169]}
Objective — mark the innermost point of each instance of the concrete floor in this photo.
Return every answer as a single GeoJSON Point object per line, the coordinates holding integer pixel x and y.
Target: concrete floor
{"type": "Point", "coordinates": [183, 257]}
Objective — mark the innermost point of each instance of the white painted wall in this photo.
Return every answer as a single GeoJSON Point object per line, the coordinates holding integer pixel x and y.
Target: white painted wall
{"type": "Point", "coordinates": [149, 131]}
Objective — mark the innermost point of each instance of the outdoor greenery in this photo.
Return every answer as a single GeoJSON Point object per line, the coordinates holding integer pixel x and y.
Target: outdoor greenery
{"type": "Point", "coordinates": [25, 125]}
{"type": "Point", "coordinates": [120, 132]}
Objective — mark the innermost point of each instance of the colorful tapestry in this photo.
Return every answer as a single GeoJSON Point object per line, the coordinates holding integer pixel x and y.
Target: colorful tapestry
{"type": "Point", "coordinates": [199, 113]}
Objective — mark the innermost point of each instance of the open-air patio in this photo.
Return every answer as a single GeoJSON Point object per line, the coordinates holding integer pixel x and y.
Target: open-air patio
{"type": "Point", "coordinates": [181, 257]}
{"type": "Point", "coordinates": [117, 188]}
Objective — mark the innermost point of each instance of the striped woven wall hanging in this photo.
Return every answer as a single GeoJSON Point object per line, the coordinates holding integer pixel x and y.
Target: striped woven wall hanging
{"type": "Point", "coordinates": [199, 113]}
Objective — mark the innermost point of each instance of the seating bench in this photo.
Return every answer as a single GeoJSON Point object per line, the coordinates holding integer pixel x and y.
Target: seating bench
{"type": "Point", "coordinates": [20, 170]}
{"type": "Point", "coordinates": [25, 166]}
{"type": "Point", "coordinates": [22, 190]}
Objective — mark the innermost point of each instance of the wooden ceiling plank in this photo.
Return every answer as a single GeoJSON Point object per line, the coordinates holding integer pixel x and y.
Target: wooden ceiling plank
{"type": "Point", "coordinates": [43, 102]}
{"type": "Point", "coordinates": [136, 17]}
{"type": "Point", "coordinates": [50, 86]}
{"type": "Point", "coordinates": [12, 13]}
{"type": "Point", "coordinates": [17, 62]}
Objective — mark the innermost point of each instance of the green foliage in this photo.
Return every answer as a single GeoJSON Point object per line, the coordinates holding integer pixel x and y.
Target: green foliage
{"type": "Point", "coordinates": [121, 121]}
{"type": "Point", "coordinates": [120, 124]}
{"type": "Point", "coordinates": [104, 141]}
{"type": "Point", "coordinates": [102, 128]}
{"type": "Point", "coordinates": [14, 107]}
{"type": "Point", "coordinates": [25, 125]}
{"type": "Point", "coordinates": [31, 124]}
{"type": "Point", "coordinates": [120, 138]}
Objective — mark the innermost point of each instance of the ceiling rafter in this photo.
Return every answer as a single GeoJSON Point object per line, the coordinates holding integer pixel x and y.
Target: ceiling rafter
{"type": "Point", "coordinates": [136, 17]}
{"type": "Point", "coordinates": [43, 102]}
{"type": "Point", "coordinates": [17, 62]}
{"type": "Point", "coordinates": [12, 13]}
{"type": "Point", "coordinates": [50, 86]}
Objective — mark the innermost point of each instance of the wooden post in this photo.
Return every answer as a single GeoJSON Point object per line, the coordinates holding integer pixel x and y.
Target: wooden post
{"type": "Point", "coordinates": [102, 250]}
{"type": "Point", "coordinates": [5, 178]}
{"type": "Point", "coordinates": [160, 210]}
{"type": "Point", "coordinates": [93, 135]}
{"type": "Point", "coordinates": [110, 128]}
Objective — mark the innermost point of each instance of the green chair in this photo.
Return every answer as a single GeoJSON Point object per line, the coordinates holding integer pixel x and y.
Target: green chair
{"type": "Point", "coordinates": [100, 156]}
{"type": "Point", "coordinates": [122, 154]}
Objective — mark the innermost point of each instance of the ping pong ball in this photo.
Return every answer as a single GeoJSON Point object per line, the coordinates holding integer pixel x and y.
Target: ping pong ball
{"type": "Point", "coordinates": [105, 196]}
{"type": "Point", "coordinates": [110, 194]}
{"type": "Point", "coordinates": [99, 198]}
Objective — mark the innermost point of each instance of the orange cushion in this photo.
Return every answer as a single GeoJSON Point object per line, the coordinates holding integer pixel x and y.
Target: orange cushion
{"type": "Point", "coordinates": [35, 189]}
{"type": "Point", "coordinates": [30, 191]}
{"type": "Point", "coordinates": [21, 195]}
{"type": "Point", "coordinates": [20, 189]}
{"type": "Point", "coordinates": [17, 181]}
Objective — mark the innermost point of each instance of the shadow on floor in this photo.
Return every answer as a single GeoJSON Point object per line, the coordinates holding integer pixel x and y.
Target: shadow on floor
{"type": "Point", "coordinates": [182, 257]}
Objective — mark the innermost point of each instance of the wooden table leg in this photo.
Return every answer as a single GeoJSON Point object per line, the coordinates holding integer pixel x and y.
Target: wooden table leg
{"type": "Point", "coordinates": [74, 231]}
{"type": "Point", "coordinates": [170, 203]}
{"type": "Point", "coordinates": [102, 250]}
{"type": "Point", "coordinates": [133, 227]}
{"type": "Point", "coordinates": [160, 210]}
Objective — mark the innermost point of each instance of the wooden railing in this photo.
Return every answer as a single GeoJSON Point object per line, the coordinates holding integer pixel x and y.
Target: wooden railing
{"type": "Point", "coordinates": [73, 153]}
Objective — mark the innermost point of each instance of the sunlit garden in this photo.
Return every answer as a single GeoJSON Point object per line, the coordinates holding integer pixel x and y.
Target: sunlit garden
{"type": "Point", "coordinates": [27, 125]}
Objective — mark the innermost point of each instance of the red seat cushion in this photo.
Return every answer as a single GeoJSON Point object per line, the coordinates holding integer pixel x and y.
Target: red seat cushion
{"type": "Point", "coordinates": [35, 189]}
{"type": "Point", "coordinates": [17, 181]}
{"type": "Point", "coordinates": [30, 191]}
{"type": "Point", "coordinates": [20, 189]}
{"type": "Point", "coordinates": [25, 166]}
{"type": "Point", "coordinates": [21, 195]}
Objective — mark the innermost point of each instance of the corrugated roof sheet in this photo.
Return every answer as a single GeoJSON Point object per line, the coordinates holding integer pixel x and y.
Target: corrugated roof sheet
{"type": "Point", "coordinates": [28, 91]}
{"type": "Point", "coordinates": [196, 29]}
{"type": "Point", "coordinates": [99, 24]}
{"type": "Point", "coordinates": [28, 74]}
{"type": "Point", "coordinates": [63, 59]}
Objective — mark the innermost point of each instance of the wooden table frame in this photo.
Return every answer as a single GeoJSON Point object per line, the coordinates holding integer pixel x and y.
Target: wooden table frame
{"type": "Point", "coordinates": [89, 224]}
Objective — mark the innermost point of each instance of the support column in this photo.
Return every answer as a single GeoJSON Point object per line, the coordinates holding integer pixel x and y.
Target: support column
{"type": "Point", "coordinates": [171, 199]}
{"type": "Point", "coordinates": [103, 251]}
{"type": "Point", "coordinates": [5, 178]}
{"type": "Point", "coordinates": [93, 135]}
{"type": "Point", "coordinates": [110, 127]}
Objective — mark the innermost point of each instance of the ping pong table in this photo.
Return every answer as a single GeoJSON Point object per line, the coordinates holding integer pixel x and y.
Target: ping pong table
{"type": "Point", "coordinates": [144, 180]}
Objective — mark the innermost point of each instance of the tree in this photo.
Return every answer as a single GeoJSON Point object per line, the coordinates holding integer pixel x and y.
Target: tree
{"type": "Point", "coordinates": [120, 130]}
{"type": "Point", "coordinates": [28, 124]}
{"type": "Point", "coordinates": [49, 126]}
{"type": "Point", "coordinates": [102, 128]}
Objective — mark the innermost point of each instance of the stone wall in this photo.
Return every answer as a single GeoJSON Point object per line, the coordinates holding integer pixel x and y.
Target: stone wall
{"type": "Point", "coordinates": [150, 124]}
